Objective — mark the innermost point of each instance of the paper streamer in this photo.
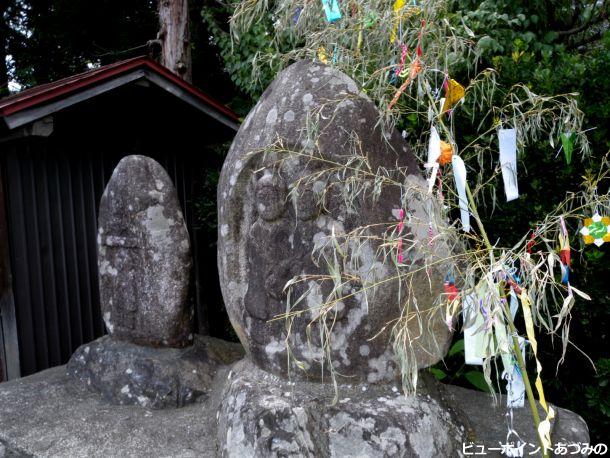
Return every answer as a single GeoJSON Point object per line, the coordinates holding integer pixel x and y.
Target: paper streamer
{"type": "Point", "coordinates": [398, 6]}
{"type": "Point", "coordinates": [331, 10]}
{"type": "Point", "coordinates": [514, 304]}
{"type": "Point", "coordinates": [474, 339]}
{"type": "Point", "coordinates": [508, 161]}
{"type": "Point", "coordinates": [434, 152]}
{"type": "Point", "coordinates": [459, 174]}
{"type": "Point", "coordinates": [515, 387]}
{"type": "Point", "coordinates": [401, 224]}
{"type": "Point", "coordinates": [544, 429]}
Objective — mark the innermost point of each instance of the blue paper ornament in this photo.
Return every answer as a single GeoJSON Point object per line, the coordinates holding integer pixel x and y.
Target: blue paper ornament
{"type": "Point", "coordinates": [331, 9]}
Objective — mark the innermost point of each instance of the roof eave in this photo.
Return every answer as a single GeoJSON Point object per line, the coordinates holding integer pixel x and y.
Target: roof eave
{"type": "Point", "coordinates": [37, 106]}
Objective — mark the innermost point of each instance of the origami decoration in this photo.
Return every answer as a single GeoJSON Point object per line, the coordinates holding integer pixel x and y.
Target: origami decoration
{"type": "Point", "coordinates": [454, 92]}
{"type": "Point", "coordinates": [596, 230]}
{"type": "Point", "coordinates": [508, 161]}
{"type": "Point", "coordinates": [332, 10]}
{"type": "Point", "coordinates": [446, 153]}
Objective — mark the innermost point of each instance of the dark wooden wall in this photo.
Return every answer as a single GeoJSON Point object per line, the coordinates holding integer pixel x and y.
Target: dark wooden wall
{"type": "Point", "coordinates": [52, 190]}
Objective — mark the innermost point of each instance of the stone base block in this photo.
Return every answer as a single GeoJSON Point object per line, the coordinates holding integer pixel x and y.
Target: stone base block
{"type": "Point", "coordinates": [262, 415]}
{"type": "Point", "coordinates": [156, 378]}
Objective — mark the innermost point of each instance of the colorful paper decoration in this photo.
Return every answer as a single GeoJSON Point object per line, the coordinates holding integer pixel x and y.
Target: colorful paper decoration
{"type": "Point", "coordinates": [370, 19]}
{"type": "Point", "coordinates": [450, 289]}
{"type": "Point", "coordinates": [474, 339]}
{"type": "Point", "coordinates": [446, 153]}
{"type": "Point", "coordinates": [401, 223]}
{"type": "Point", "coordinates": [297, 14]}
{"type": "Point", "coordinates": [596, 230]}
{"type": "Point", "coordinates": [322, 56]}
{"type": "Point", "coordinates": [398, 6]}
{"type": "Point", "coordinates": [544, 429]}
{"type": "Point", "coordinates": [508, 162]}
{"type": "Point", "coordinates": [567, 142]}
{"type": "Point", "coordinates": [332, 10]}
{"type": "Point", "coordinates": [515, 387]}
{"type": "Point", "coordinates": [454, 92]}
{"type": "Point", "coordinates": [564, 252]}
{"type": "Point", "coordinates": [403, 58]}
{"type": "Point", "coordinates": [434, 152]}
{"type": "Point", "coordinates": [414, 69]}
{"type": "Point", "coordinates": [531, 242]}
{"type": "Point", "coordinates": [459, 174]}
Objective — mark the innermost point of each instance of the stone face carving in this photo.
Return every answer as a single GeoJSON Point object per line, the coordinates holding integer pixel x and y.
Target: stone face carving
{"type": "Point", "coordinates": [144, 257]}
{"type": "Point", "coordinates": [272, 215]}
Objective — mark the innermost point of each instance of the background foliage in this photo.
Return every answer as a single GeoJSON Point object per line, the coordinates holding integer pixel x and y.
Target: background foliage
{"type": "Point", "coordinates": [555, 46]}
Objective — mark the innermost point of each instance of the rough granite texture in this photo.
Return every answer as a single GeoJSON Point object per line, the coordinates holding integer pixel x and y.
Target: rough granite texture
{"type": "Point", "coordinates": [263, 416]}
{"type": "Point", "coordinates": [271, 219]}
{"type": "Point", "coordinates": [49, 414]}
{"type": "Point", "coordinates": [157, 378]}
{"type": "Point", "coordinates": [144, 257]}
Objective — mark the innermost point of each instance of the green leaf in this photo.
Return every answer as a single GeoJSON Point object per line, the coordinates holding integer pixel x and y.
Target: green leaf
{"type": "Point", "coordinates": [438, 374]}
{"type": "Point", "coordinates": [477, 379]}
{"type": "Point", "coordinates": [457, 347]}
{"type": "Point", "coordinates": [567, 141]}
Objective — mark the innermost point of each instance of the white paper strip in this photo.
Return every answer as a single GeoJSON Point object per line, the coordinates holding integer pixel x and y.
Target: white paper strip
{"type": "Point", "coordinates": [459, 173]}
{"type": "Point", "coordinates": [434, 152]}
{"type": "Point", "coordinates": [508, 161]}
{"type": "Point", "coordinates": [515, 388]}
{"type": "Point", "coordinates": [473, 340]}
{"type": "Point", "coordinates": [514, 304]}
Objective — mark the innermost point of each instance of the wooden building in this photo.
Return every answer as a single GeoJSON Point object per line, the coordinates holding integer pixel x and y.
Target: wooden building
{"type": "Point", "coordinates": [58, 146]}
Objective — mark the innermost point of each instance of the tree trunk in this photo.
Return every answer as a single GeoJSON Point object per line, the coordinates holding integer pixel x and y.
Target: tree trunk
{"type": "Point", "coordinates": [174, 37]}
{"type": "Point", "coordinates": [3, 52]}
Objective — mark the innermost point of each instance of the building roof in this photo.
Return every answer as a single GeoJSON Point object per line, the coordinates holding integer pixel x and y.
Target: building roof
{"type": "Point", "coordinates": [40, 101]}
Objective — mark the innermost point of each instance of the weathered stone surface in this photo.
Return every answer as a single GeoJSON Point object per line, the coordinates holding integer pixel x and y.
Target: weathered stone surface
{"type": "Point", "coordinates": [252, 413]}
{"type": "Point", "coordinates": [270, 222]}
{"type": "Point", "coordinates": [490, 423]}
{"type": "Point", "coordinates": [264, 416]}
{"type": "Point", "coordinates": [126, 373]}
{"type": "Point", "coordinates": [144, 257]}
{"type": "Point", "coordinates": [50, 415]}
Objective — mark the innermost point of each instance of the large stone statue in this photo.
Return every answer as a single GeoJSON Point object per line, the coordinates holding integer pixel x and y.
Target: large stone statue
{"type": "Point", "coordinates": [273, 215]}
{"type": "Point", "coordinates": [288, 208]}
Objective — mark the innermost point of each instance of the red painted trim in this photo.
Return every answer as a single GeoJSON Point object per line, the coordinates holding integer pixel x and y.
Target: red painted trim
{"type": "Point", "coordinates": [48, 92]}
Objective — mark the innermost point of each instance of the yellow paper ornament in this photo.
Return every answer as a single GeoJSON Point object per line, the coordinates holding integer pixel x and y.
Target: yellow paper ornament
{"type": "Point", "coordinates": [454, 93]}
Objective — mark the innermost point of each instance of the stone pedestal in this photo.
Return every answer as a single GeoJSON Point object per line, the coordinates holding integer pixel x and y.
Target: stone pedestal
{"type": "Point", "coordinates": [263, 415]}
{"type": "Point", "coordinates": [248, 412]}
{"type": "Point", "coordinates": [126, 373]}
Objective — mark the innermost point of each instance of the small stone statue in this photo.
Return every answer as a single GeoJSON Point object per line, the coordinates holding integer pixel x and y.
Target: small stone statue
{"type": "Point", "coordinates": [144, 257]}
{"type": "Point", "coordinates": [150, 357]}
